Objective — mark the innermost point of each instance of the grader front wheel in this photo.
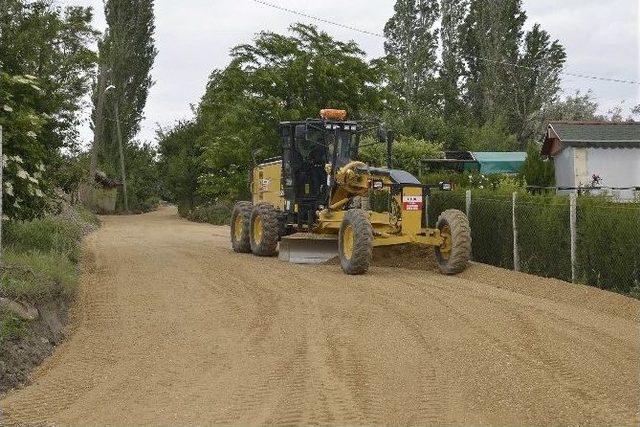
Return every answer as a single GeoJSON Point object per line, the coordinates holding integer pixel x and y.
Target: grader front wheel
{"type": "Point", "coordinates": [355, 242]}
{"type": "Point", "coordinates": [455, 251]}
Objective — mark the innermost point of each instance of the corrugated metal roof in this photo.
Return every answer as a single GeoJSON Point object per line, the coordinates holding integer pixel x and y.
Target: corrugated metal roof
{"type": "Point", "coordinates": [597, 132]}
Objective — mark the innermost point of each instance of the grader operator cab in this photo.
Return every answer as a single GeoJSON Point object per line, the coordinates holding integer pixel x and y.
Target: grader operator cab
{"type": "Point", "coordinates": [312, 204]}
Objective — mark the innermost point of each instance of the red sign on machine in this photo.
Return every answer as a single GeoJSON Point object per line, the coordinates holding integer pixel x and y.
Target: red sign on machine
{"type": "Point", "coordinates": [412, 203]}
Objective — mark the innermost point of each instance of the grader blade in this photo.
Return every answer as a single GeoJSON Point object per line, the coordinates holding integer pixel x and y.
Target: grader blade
{"type": "Point", "coordinates": [308, 248]}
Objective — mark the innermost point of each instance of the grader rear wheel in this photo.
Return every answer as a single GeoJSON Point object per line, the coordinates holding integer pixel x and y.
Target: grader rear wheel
{"type": "Point", "coordinates": [240, 227]}
{"type": "Point", "coordinates": [355, 242]}
{"type": "Point", "coordinates": [455, 252]}
{"type": "Point", "coordinates": [265, 230]}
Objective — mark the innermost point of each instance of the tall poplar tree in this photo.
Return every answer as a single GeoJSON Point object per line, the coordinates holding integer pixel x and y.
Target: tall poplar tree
{"type": "Point", "coordinates": [126, 56]}
{"type": "Point", "coordinates": [493, 29]}
{"type": "Point", "coordinates": [510, 75]}
{"type": "Point", "coordinates": [536, 85]}
{"type": "Point", "coordinates": [452, 67]}
{"type": "Point", "coordinates": [411, 44]}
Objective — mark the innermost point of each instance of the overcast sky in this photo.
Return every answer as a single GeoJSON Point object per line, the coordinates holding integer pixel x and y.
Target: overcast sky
{"type": "Point", "coordinates": [193, 37]}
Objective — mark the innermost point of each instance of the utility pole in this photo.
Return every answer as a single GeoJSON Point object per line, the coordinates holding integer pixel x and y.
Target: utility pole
{"type": "Point", "coordinates": [1, 191]}
{"type": "Point", "coordinates": [121, 150]}
{"type": "Point", "coordinates": [98, 126]}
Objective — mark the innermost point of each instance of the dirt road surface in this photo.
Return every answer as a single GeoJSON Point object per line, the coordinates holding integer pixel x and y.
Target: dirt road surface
{"type": "Point", "coordinates": [172, 327]}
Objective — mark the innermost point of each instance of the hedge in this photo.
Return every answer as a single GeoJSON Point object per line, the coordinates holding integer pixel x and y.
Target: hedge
{"type": "Point", "coordinates": [608, 236]}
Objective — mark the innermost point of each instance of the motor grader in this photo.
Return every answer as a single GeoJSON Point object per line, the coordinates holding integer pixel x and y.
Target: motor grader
{"type": "Point", "coordinates": [312, 203]}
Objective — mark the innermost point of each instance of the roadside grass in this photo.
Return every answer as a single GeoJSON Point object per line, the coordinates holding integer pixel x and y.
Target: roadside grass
{"type": "Point", "coordinates": [40, 257]}
{"type": "Point", "coordinates": [36, 276]}
{"type": "Point", "coordinates": [86, 215]}
{"type": "Point", "coordinates": [50, 234]}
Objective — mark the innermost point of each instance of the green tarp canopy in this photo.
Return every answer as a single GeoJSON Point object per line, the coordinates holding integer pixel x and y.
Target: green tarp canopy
{"type": "Point", "coordinates": [499, 161]}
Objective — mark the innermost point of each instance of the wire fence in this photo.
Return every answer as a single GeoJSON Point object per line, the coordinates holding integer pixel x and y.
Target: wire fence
{"type": "Point", "coordinates": [589, 240]}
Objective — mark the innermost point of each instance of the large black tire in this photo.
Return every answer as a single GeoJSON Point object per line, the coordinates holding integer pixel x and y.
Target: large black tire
{"type": "Point", "coordinates": [265, 230]}
{"type": "Point", "coordinates": [355, 242]}
{"type": "Point", "coordinates": [454, 225]}
{"type": "Point", "coordinates": [241, 227]}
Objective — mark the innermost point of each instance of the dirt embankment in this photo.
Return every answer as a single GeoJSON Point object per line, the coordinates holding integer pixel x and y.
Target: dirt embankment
{"type": "Point", "coordinates": [172, 327]}
{"type": "Point", "coordinates": [19, 356]}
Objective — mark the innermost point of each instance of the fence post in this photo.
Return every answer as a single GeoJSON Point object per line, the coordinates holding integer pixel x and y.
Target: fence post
{"type": "Point", "coordinates": [1, 190]}
{"type": "Point", "coordinates": [516, 257]}
{"type": "Point", "coordinates": [468, 203]}
{"type": "Point", "coordinates": [572, 232]}
{"type": "Point", "coordinates": [468, 211]}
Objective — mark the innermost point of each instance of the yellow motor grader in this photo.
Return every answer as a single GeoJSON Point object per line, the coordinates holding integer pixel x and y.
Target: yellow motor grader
{"type": "Point", "coordinates": [312, 203]}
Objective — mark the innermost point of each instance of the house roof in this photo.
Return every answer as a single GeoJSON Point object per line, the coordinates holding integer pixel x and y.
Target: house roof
{"type": "Point", "coordinates": [590, 134]}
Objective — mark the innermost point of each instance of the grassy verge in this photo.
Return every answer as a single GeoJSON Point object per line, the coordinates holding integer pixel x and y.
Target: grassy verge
{"type": "Point", "coordinates": [39, 261]}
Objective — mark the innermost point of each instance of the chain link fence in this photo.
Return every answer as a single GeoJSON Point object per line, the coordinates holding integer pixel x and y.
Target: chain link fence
{"type": "Point", "coordinates": [589, 240]}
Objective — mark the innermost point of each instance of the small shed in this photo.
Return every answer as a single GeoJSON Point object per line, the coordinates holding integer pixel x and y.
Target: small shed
{"type": "Point", "coordinates": [101, 196]}
{"type": "Point", "coordinates": [595, 154]}
{"type": "Point", "coordinates": [482, 161]}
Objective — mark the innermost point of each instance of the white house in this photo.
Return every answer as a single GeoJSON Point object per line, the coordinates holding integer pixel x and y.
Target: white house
{"type": "Point", "coordinates": [595, 154]}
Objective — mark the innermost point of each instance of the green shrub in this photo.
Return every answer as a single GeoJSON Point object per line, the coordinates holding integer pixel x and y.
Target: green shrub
{"type": "Point", "coordinates": [37, 276]}
{"type": "Point", "coordinates": [491, 230]}
{"type": "Point", "coordinates": [47, 234]}
{"type": "Point", "coordinates": [544, 242]}
{"type": "Point", "coordinates": [440, 201]}
{"type": "Point", "coordinates": [40, 256]}
{"type": "Point", "coordinates": [503, 183]}
{"type": "Point", "coordinates": [86, 215]}
{"type": "Point", "coordinates": [608, 236]}
{"type": "Point", "coordinates": [217, 214]}
{"type": "Point", "coordinates": [407, 153]}
{"type": "Point", "coordinates": [536, 170]}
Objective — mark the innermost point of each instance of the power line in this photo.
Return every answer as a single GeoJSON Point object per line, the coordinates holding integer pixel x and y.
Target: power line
{"type": "Point", "coordinates": [371, 33]}
{"type": "Point", "coordinates": [326, 21]}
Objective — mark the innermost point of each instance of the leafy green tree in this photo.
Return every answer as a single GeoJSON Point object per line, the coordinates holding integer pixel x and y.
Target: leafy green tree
{"type": "Point", "coordinates": [54, 45]}
{"type": "Point", "coordinates": [511, 76]}
{"type": "Point", "coordinates": [411, 44]}
{"type": "Point", "coordinates": [126, 55]}
{"type": "Point", "coordinates": [536, 84]}
{"type": "Point", "coordinates": [452, 67]}
{"type": "Point", "coordinates": [178, 165]}
{"type": "Point", "coordinates": [142, 176]}
{"type": "Point", "coordinates": [46, 64]}
{"type": "Point", "coordinates": [25, 187]}
{"type": "Point", "coordinates": [407, 153]}
{"type": "Point", "coordinates": [536, 170]}
{"type": "Point", "coordinates": [277, 78]}
{"type": "Point", "coordinates": [577, 107]}
{"type": "Point", "coordinates": [493, 29]}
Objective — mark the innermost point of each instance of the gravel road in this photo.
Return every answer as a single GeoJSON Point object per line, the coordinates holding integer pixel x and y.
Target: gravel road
{"type": "Point", "coordinates": [172, 327]}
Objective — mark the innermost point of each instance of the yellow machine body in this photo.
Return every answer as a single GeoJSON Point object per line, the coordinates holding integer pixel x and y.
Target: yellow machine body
{"type": "Point", "coordinates": [315, 202]}
{"type": "Point", "coordinates": [266, 185]}
{"type": "Point", "coordinates": [389, 228]}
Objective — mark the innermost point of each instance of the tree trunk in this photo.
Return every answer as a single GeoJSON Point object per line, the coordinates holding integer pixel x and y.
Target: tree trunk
{"type": "Point", "coordinates": [122, 168]}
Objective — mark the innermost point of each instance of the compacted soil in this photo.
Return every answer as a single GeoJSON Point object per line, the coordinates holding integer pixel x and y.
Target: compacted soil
{"type": "Point", "coordinates": [172, 327]}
